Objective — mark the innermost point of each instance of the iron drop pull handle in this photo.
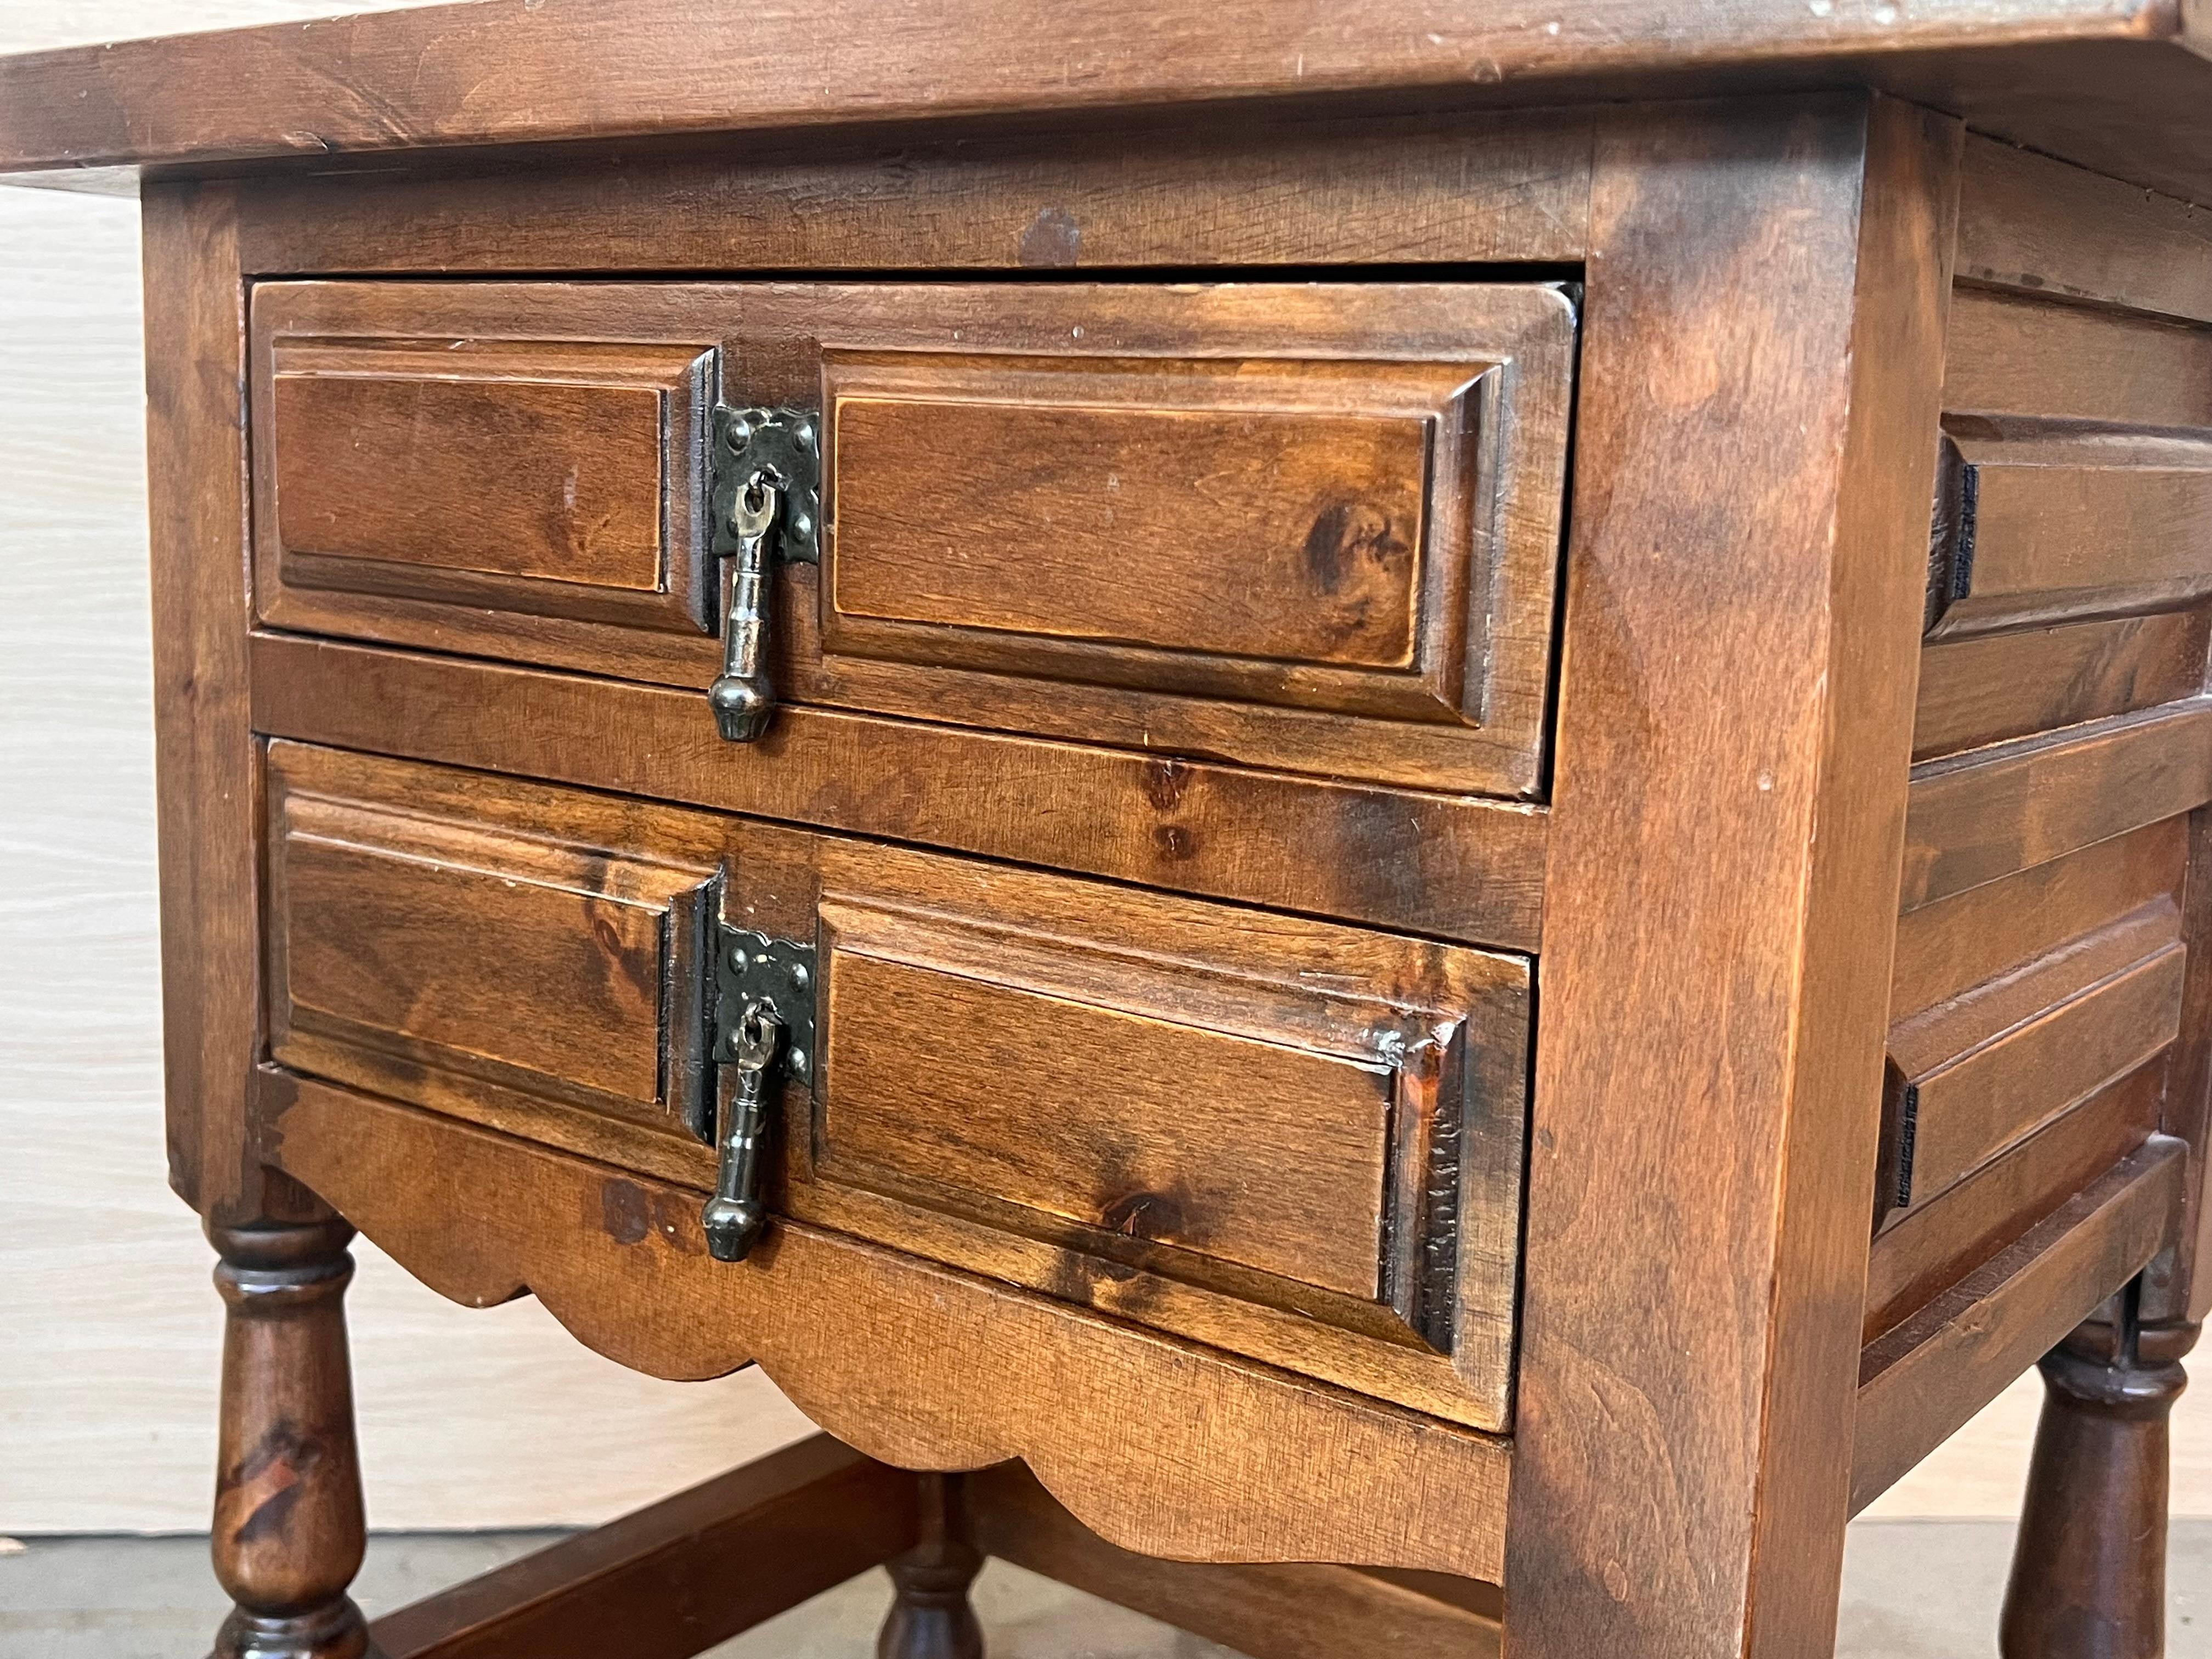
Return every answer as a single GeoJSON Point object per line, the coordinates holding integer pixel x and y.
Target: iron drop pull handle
{"type": "Point", "coordinates": [767, 492]}
{"type": "Point", "coordinates": [741, 698]}
{"type": "Point", "coordinates": [735, 1215]}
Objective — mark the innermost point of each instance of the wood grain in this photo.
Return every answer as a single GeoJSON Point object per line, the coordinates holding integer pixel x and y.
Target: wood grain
{"type": "Point", "coordinates": [1715, 851]}
{"type": "Point", "coordinates": [477, 74]}
{"type": "Point", "coordinates": [530, 479]}
{"type": "Point", "coordinates": [1268, 1611]}
{"type": "Point", "coordinates": [1921, 1381]}
{"type": "Point", "coordinates": [445, 945]}
{"type": "Point", "coordinates": [2178, 1288]}
{"type": "Point", "coordinates": [1990, 813]}
{"type": "Point", "coordinates": [288, 1529]}
{"type": "Point", "coordinates": [205, 765]}
{"type": "Point", "coordinates": [1126, 635]}
{"type": "Point", "coordinates": [1985, 1072]}
{"type": "Point", "coordinates": [1934, 1244]}
{"type": "Point", "coordinates": [2028, 222]}
{"type": "Point", "coordinates": [2012, 354]}
{"type": "Point", "coordinates": [1265, 532]}
{"type": "Point", "coordinates": [957, 1373]}
{"type": "Point", "coordinates": [1452, 866]}
{"type": "Point", "coordinates": [1947, 947]}
{"type": "Point", "coordinates": [1979, 691]}
{"type": "Point", "coordinates": [1287, 1176]}
{"type": "Point", "coordinates": [1311, 1156]}
{"type": "Point", "coordinates": [1274, 188]}
{"type": "Point", "coordinates": [2069, 529]}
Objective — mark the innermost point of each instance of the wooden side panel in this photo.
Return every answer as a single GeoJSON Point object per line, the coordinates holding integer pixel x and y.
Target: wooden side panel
{"type": "Point", "coordinates": [1976, 691]}
{"type": "Point", "coordinates": [2011, 353]}
{"type": "Point", "coordinates": [2037, 225]}
{"type": "Point", "coordinates": [1987, 814]}
{"type": "Point", "coordinates": [2052, 953]}
{"type": "Point", "coordinates": [2030, 1019]}
{"type": "Point", "coordinates": [1945, 948]}
{"type": "Point", "coordinates": [1976, 1076]}
{"type": "Point", "coordinates": [1933, 1245]}
{"type": "Point", "coordinates": [1922, 1382]}
{"type": "Point", "coordinates": [2053, 530]}
{"type": "Point", "coordinates": [554, 479]}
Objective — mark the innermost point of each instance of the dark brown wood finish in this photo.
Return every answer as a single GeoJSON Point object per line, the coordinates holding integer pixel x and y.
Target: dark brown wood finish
{"type": "Point", "coordinates": [1979, 691]}
{"type": "Point", "coordinates": [1808, 514]}
{"type": "Point", "coordinates": [1990, 812]}
{"type": "Point", "coordinates": [1269, 1611]}
{"type": "Point", "coordinates": [2032, 224]}
{"type": "Point", "coordinates": [1311, 1154]}
{"type": "Point", "coordinates": [289, 1529]}
{"type": "Point", "coordinates": [2088, 1577]}
{"type": "Point", "coordinates": [2113, 83]}
{"type": "Point", "coordinates": [1452, 866]}
{"type": "Point", "coordinates": [1923, 1379]}
{"type": "Point", "coordinates": [2177, 1289]}
{"type": "Point", "coordinates": [993, 1374]}
{"type": "Point", "coordinates": [1313, 528]}
{"type": "Point", "coordinates": [203, 750]}
{"type": "Point", "coordinates": [1169, 1109]}
{"type": "Point", "coordinates": [931, 1617]}
{"type": "Point", "coordinates": [1276, 188]}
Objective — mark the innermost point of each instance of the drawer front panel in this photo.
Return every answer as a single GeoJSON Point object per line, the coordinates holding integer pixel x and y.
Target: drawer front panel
{"type": "Point", "coordinates": [1285, 1175]}
{"type": "Point", "coordinates": [1295, 1140]}
{"type": "Point", "coordinates": [1264, 530]}
{"type": "Point", "coordinates": [544, 480]}
{"type": "Point", "coordinates": [1310, 527]}
{"type": "Point", "coordinates": [510, 960]}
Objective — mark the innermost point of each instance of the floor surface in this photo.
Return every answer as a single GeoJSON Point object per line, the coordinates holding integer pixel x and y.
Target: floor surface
{"type": "Point", "coordinates": [1913, 1590]}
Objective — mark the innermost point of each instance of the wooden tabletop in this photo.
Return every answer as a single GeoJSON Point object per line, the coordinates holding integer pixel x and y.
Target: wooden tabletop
{"type": "Point", "coordinates": [2124, 86]}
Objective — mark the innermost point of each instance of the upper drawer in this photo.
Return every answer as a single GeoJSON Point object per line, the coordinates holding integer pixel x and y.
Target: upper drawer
{"type": "Point", "coordinates": [1293, 1140]}
{"type": "Point", "coordinates": [1309, 527]}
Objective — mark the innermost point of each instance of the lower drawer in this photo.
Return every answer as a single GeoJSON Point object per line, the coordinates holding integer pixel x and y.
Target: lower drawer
{"type": "Point", "coordinates": [1294, 1140]}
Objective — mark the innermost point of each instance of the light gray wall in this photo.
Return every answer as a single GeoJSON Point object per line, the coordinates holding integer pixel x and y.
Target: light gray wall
{"type": "Point", "coordinates": [107, 1325]}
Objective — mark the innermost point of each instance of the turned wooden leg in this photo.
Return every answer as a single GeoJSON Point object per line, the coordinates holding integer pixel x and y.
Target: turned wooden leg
{"type": "Point", "coordinates": [2089, 1572]}
{"type": "Point", "coordinates": [931, 1618]}
{"type": "Point", "coordinates": [289, 1528]}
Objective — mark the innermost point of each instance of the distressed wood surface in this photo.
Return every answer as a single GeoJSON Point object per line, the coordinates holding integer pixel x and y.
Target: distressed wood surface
{"type": "Point", "coordinates": [1305, 1117]}
{"type": "Point", "coordinates": [1924, 1380]}
{"type": "Point", "coordinates": [1457, 867]}
{"type": "Point", "coordinates": [1809, 519]}
{"type": "Point", "coordinates": [992, 1375]}
{"type": "Point", "coordinates": [2109, 82]}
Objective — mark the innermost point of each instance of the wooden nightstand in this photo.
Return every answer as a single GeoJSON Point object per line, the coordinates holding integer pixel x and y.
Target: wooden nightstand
{"type": "Point", "coordinates": [1219, 750]}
